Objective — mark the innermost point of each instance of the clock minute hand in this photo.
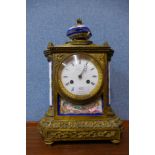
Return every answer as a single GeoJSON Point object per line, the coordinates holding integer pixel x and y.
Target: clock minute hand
{"type": "Point", "coordinates": [80, 75]}
{"type": "Point", "coordinates": [84, 69]}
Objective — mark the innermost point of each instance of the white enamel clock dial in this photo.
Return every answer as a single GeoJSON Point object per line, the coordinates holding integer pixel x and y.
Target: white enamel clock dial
{"type": "Point", "coordinates": [79, 75]}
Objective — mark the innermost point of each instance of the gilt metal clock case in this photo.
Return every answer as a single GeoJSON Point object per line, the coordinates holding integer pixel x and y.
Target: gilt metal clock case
{"type": "Point", "coordinates": [80, 98]}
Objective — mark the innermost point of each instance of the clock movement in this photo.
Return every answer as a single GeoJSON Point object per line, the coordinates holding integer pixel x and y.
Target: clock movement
{"type": "Point", "coordinates": [80, 100]}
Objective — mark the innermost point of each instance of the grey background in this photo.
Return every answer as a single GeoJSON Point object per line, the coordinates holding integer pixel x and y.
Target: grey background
{"type": "Point", "coordinates": [48, 20]}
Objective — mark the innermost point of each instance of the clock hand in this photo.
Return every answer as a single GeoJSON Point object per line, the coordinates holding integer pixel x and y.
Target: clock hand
{"type": "Point", "coordinates": [80, 75]}
{"type": "Point", "coordinates": [84, 70]}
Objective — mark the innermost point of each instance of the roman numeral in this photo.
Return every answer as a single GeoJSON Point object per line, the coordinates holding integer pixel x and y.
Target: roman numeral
{"type": "Point", "coordinates": [65, 76]}
{"type": "Point", "coordinates": [72, 89]}
{"type": "Point", "coordinates": [94, 76]}
{"type": "Point", "coordinates": [67, 84]}
{"type": "Point", "coordinates": [92, 83]}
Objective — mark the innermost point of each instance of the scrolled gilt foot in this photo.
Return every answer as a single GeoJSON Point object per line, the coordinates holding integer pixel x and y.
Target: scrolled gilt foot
{"type": "Point", "coordinates": [115, 141]}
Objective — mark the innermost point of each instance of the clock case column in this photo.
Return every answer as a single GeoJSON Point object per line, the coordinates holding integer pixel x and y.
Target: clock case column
{"type": "Point", "coordinates": [57, 128]}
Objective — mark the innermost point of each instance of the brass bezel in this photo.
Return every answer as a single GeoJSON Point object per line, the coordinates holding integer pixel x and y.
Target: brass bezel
{"type": "Point", "coordinates": [80, 99]}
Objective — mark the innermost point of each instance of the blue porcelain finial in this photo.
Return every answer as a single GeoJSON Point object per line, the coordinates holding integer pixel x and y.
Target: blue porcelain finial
{"type": "Point", "coordinates": [79, 31]}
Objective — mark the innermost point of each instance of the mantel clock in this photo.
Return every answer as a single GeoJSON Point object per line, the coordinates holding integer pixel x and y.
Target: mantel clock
{"type": "Point", "coordinates": [80, 107]}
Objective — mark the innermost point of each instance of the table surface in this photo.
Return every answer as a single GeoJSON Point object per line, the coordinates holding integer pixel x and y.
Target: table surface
{"type": "Point", "coordinates": [36, 146]}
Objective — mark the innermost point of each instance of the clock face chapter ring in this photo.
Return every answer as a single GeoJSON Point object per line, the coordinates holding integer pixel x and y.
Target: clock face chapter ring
{"type": "Point", "coordinates": [80, 77]}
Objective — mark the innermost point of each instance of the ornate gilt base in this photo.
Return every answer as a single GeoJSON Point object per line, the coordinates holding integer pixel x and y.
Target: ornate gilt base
{"type": "Point", "coordinates": [52, 130]}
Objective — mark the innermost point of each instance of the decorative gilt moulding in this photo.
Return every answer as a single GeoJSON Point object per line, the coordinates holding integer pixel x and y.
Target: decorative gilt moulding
{"type": "Point", "coordinates": [72, 130]}
{"type": "Point", "coordinates": [51, 49]}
